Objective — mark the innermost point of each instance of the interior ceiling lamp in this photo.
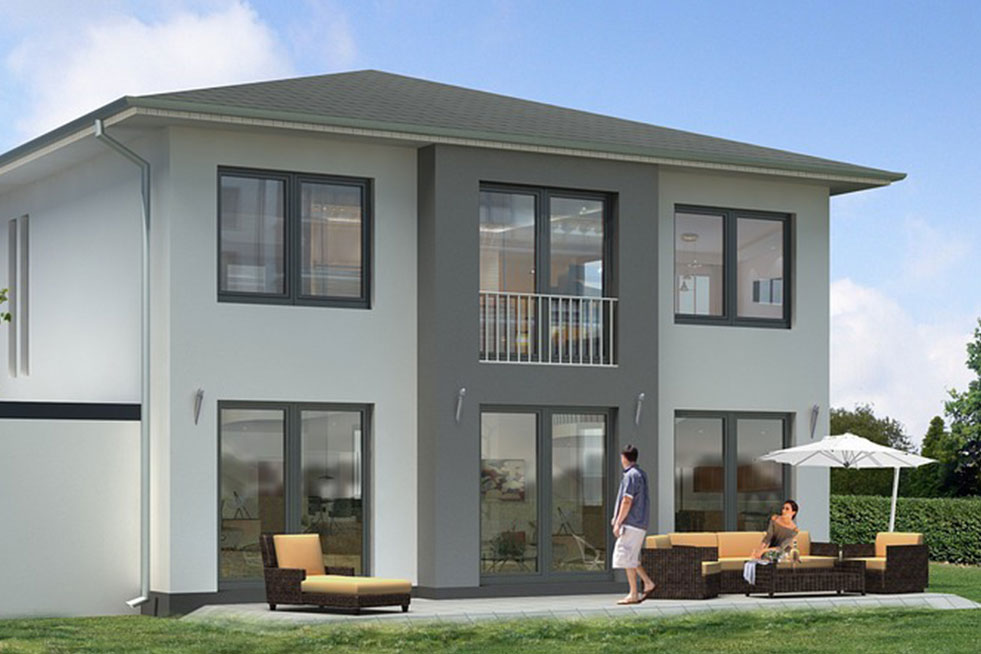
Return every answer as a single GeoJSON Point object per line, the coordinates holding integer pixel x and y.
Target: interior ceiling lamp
{"type": "Point", "coordinates": [689, 237]}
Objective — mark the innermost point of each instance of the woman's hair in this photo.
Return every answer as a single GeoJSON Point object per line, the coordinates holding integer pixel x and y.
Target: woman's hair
{"type": "Point", "coordinates": [794, 506]}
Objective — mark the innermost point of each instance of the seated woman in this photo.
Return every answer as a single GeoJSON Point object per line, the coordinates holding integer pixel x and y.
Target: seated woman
{"type": "Point", "coordinates": [780, 534]}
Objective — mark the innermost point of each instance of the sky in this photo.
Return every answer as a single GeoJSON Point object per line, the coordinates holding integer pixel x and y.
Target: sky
{"type": "Point", "coordinates": [890, 84]}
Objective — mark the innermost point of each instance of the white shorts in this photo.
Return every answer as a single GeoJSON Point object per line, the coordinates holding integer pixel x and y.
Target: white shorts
{"type": "Point", "coordinates": [626, 552]}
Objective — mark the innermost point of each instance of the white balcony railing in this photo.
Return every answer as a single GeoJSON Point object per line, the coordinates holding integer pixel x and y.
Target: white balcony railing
{"type": "Point", "coordinates": [550, 329]}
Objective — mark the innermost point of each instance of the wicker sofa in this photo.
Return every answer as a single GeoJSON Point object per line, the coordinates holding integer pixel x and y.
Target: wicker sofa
{"type": "Point", "coordinates": [898, 562]}
{"type": "Point", "coordinates": [294, 572]}
{"type": "Point", "coordinates": [699, 565]}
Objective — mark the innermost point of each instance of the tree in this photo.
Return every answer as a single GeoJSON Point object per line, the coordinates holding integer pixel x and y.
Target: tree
{"type": "Point", "coordinates": [934, 480]}
{"type": "Point", "coordinates": [863, 422]}
{"type": "Point", "coordinates": [964, 412]}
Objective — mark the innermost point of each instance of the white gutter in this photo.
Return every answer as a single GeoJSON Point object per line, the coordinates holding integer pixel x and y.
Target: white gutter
{"type": "Point", "coordinates": [100, 134]}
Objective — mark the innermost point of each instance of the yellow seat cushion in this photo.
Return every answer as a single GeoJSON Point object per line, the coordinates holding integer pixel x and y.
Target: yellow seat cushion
{"type": "Point", "coordinates": [300, 551]}
{"type": "Point", "coordinates": [886, 538]}
{"type": "Point", "coordinates": [659, 542]}
{"type": "Point", "coordinates": [825, 561]}
{"type": "Point", "coordinates": [710, 568]}
{"type": "Point", "coordinates": [738, 543]}
{"type": "Point", "coordinates": [872, 562]}
{"type": "Point", "coordinates": [730, 563]}
{"type": "Point", "coordinates": [344, 585]}
{"type": "Point", "coordinates": [694, 539]}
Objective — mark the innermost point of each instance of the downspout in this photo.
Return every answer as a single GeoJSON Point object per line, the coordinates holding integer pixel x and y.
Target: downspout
{"type": "Point", "coordinates": [100, 134]}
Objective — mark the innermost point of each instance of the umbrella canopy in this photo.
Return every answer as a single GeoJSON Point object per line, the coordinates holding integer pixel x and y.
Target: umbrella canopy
{"type": "Point", "coordinates": [850, 451]}
{"type": "Point", "coordinates": [846, 451]}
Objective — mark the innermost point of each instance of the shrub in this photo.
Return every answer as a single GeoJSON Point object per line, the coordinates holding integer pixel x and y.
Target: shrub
{"type": "Point", "coordinates": [950, 526]}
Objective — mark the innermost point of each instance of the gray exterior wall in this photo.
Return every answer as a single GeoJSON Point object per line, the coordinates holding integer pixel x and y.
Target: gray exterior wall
{"type": "Point", "coordinates": [448, 315]}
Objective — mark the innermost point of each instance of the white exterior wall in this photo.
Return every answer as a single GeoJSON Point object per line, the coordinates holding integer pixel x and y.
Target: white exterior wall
{"type": "Point", "coordinates": [70, 517]}
{"type": "Point", "coordinates": [748, 369]}
{"type": "Point", "coordinates": [254, 352]}
{"type": "Point", "coordinates": [84, 315]}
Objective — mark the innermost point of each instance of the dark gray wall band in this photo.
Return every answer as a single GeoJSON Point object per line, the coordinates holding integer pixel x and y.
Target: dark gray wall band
{"type": "Point", "coordinates": [448, 283]}
{"type": "Point", "coordinates": [69, 411]}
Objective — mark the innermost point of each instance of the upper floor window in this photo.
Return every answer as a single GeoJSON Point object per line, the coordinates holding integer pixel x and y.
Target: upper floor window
{"type": "Point", "coordinates": [293, 238]}
{"type": "Point", "coordinates": [732, 267]}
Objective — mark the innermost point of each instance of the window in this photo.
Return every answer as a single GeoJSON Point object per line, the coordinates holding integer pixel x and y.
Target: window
{"type": "Point", "coordinates": [719, 485]}
{"type": "Point", "coordinates": [18, 285]}
{"type": "Point", "coordinates": [544, 479]}
{"type": "Point", "coordinates": [293, 238]}
{"type": "Point", "coordinates": [291, 468]}
{"type": "Point", "coordinates": [731, 267]}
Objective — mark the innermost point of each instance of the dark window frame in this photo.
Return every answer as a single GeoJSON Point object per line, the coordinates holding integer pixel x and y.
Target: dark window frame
{"type": "Point", "coordinates": [292, 239]}
{"type": "Point", "coordinates": [292, 423]}
{"type": "Point", "coordinates": [543, 469]}
{"type": "Point", "coordinates": [543, 245]}
{"type": "Point", "coordinates": [730, 455]}
{"type": "Point", "coordinates": [730, 280]}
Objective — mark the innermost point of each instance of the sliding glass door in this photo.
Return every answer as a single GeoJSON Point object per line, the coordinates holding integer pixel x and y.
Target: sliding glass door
{"type": "Point", "coordinates": [719, 485]}
{"type": "Point", "coordinates": [544, 479]}
{"type": "Point", "coordinates": [291, 468]}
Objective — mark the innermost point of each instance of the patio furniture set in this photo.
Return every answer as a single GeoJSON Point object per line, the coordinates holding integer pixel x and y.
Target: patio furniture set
{"type": "Point", "coordinates": [701, 565]}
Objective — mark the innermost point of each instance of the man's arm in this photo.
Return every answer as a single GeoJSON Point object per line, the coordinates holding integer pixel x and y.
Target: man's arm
{"type": "Point", "coordinates": [622, 514]}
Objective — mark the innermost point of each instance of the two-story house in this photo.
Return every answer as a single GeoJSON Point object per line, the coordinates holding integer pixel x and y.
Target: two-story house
{"type": "Point", "coordinates": [417, 319]}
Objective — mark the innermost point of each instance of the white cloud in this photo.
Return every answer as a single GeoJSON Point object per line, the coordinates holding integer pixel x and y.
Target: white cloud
{"type": "Point", "coordinates": [322, 36]}
{"type": "Point", "coordinates": [68, 72]}
{"type": "Point", "coordinates": [881, 356]}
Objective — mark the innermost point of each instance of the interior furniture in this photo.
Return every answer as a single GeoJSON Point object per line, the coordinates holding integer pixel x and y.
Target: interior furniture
{"type": "Point", "coordinates": [293, 565]}
{"type": "Point", "coordinates": [842, 577]}
{"type": "Point", "coordinates": [729, 549]}
{"type": "Point", "coordinates": [898, 562]}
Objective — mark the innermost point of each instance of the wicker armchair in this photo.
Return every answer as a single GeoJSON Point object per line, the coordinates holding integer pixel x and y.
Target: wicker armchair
{"type": "Point", "coordinates": [892, 567]}
{"type": "Point", "coordinates": [682, 572]}
{"type": "Point", "coordinates": [286, 585]}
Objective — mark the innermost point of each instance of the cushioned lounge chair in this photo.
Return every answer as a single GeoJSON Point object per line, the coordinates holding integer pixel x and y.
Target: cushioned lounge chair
{"type": "Point", "coordinates": [294, 571]}
{"type": "Point", "coordinates": [898, 562]}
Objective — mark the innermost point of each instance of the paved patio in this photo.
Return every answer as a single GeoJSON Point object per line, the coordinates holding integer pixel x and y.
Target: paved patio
{"type": "Point", "coordinates": [567, 607]}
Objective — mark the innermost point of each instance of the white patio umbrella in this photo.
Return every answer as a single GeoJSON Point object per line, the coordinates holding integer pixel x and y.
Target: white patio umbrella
{"type": "Point", "coordinates": [850, 451]}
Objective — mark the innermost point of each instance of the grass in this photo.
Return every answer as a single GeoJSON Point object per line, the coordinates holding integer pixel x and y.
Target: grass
{"type": "Point", "coordinates": [847, 631]}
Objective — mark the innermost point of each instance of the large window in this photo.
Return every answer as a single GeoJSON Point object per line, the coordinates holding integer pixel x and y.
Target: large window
{"type": "Point", "coordinates": [291, 468]}
{"type": "Point", "coordinates": [718, 483]}
{"type": "Point", "coordinates": [543, 488]}
{"type": "Point", "coordinates": [732, 267]}
{"type": "Point", "coordinates": [292, 238]}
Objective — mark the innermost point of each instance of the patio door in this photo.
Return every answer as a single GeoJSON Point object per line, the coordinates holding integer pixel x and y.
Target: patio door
{"type": "Point", "coordinates": [719, 485]}
{"type": "Point", "coordinates": [291, 468]}
{"type": "Point", "coordinates": [544, 494]}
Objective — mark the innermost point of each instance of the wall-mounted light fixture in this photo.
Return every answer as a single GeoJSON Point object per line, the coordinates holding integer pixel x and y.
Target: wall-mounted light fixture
{"type": "Point", "coordinates": [198, 401]}
{"type": "Point", "coordinates": [639, 409]}
{"type": "Point", "coordinates": [459, 403]}
{"type": "Point", "coordinates": [815, 410]}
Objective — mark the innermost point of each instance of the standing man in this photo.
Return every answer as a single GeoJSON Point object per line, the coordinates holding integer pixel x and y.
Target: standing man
{"type": "Point", "coordinates": [631, 515]}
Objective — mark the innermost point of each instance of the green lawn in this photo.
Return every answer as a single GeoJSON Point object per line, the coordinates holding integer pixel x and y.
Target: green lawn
{"type": "Point", "coordinates": [845, 632]}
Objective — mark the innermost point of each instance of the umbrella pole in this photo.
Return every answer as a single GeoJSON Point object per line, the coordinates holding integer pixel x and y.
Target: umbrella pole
{"type": "Point", "coordinates": [895, 493]}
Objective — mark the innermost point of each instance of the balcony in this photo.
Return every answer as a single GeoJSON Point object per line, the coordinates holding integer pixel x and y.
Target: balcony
{"type": "Point", "coordinates": [559, 330]}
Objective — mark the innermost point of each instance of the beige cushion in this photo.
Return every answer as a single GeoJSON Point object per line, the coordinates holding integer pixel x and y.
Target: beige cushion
{"type": "Point", "coordinates": [659, 542]}
{"type": "Point", "coordinates": [300, 551]}
{"type": "Point", "coordinates": [738, 543]}
{"type": "Point", "coordinates": [344, 585]}
{"type": "Point", "coordinates": [804, 543]}
{"type": "Point", "coordinates": [872, 562]}
{"type": "Point", "coordinates": [826, 561]}
{"type": "Point", "coordinates": [885, 538]}
{"type": "Point", "coordinates": [695, 539]}
{"type": "Point", "coordinates": [809, 562]}
{"type": "Point", "coordinates": [711, 568]}
{"type": "Point", "coordinates": [730, 563]}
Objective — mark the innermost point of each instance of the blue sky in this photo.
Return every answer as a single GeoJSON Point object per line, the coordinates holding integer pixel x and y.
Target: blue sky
{"type": "Point", "coordinates": [887, 84]}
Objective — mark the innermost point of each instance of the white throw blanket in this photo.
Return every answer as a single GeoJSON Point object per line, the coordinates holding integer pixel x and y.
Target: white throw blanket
{"type": "Point", "coordinates": [749, 570]}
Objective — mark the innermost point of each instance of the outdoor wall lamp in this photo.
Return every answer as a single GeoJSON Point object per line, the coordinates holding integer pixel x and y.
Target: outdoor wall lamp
{"type": "Point", "coordinates": [459, 403]}
{"type": "Point", "coordinates": [198, 401]}
{"type": "Point", "coordinates": [815, 410]}
{"type": "Point", "coordinates": [639, 409]}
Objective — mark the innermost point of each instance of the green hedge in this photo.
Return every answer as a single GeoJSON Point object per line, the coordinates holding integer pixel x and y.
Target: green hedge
{"type": "Point", "coordinates": [951, 526]}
